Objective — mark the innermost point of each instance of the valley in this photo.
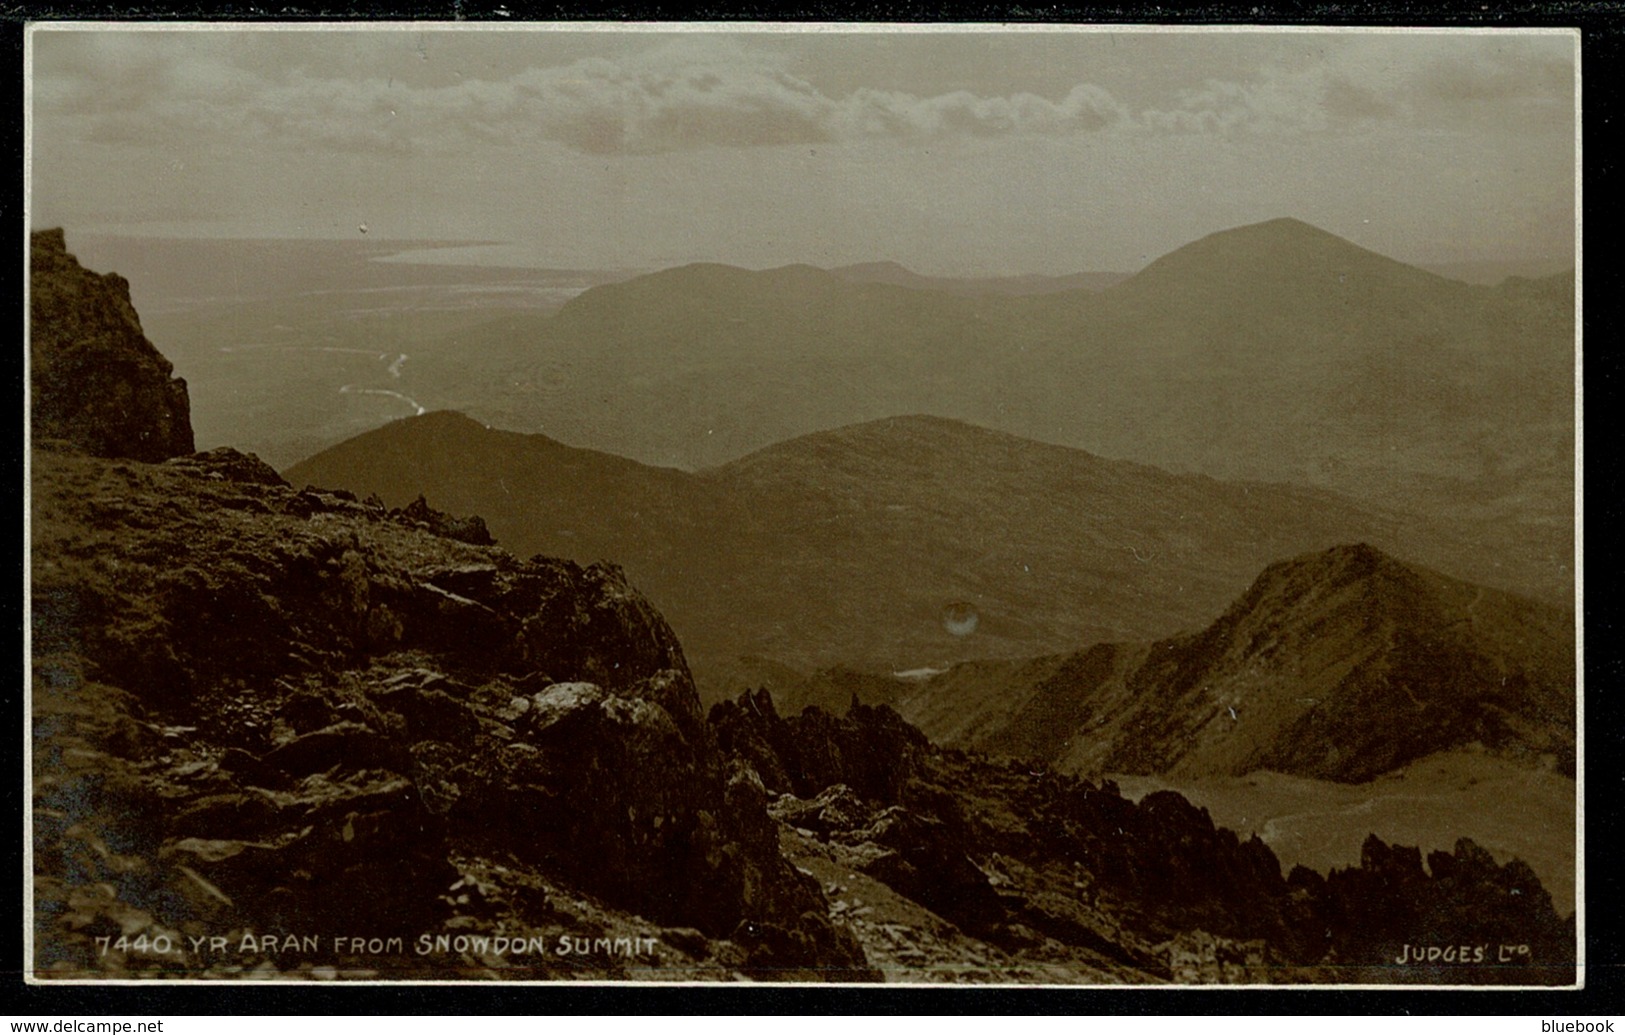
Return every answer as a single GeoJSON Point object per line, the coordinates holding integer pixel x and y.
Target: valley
{"type": "Point", "coordinates": [295, 345]}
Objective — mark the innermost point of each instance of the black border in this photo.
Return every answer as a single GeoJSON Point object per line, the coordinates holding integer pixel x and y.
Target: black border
{"type": "Point", "coordinates": [1602, 25]}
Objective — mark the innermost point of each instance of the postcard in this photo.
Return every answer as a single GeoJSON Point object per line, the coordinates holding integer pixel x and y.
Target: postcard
{"type": "Point", "coordinates": [1027, 505]}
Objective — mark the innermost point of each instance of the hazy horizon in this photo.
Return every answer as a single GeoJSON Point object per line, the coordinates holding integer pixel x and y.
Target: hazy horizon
{"type": "Point", "coordinates": [959, 153]}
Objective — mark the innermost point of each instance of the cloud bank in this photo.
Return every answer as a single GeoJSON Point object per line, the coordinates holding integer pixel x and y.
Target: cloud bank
{"type": "Point", "coordinates": [129, 88]}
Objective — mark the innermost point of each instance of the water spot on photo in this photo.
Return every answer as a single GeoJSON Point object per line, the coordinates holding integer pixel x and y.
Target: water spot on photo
{"type": "Point", "coordinates": [960, 618]}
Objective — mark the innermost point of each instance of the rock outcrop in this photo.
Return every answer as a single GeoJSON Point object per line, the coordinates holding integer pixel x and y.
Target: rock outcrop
{"type": "Point", "coordinates": [259, 709]}
{"type": "Point", "coordinates": [1464, 919]}
{"type": "Point", "coordinates": [95, 379]}
{"type": "Point", "coordinates": [1065, 876]}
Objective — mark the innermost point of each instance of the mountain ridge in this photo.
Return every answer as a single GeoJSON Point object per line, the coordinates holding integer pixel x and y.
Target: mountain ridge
{"type": "Point", "coordinates": [845, 547]}
{"type": "Point", "coordinates": [1277, 352]}
{"type": "Point", "coordinates": [1342, 664]}
{"type": "Point", "coordinates": [1388, 386]}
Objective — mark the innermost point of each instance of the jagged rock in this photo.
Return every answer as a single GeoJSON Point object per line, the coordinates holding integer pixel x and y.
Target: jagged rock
{"type": "Point", "coordinates": [1038, 863]}
{"type": "Point", "coordinates": [306, 712]}
{"type": "Point", "coordinates": [448, 621]}
{"type": "Point", "coordinates": [466, 530]}
{"type": "Point", "coordinates": [251, 770]}
{"type": "Point", "coordinates": [469, 580]}
{"type": "Point", "coordinates": [435, 715]}
{"type": "Point", "coordinates": [559, 703]}
{"type": "Point", "coordinates": [613, 792]}
{"type": "Point", "coordinates": [95, 379]}
{"type": "Point", "coordinates": [872, 750]}
{"type": "Point", "coordinates": [804, 952]}
{"type": "Point", "coordinates": [236, 814]}
{"type": "Point", "coordinates": [1199, 958]}
{"type": "Point", "coordinates": [1391, 918]}
{"type": "Point", "coordinates": [609, 796]}
{"type": "Point", "coordinates": [373, 868]}
{"type": "Point", "coordinates": [750, 729]}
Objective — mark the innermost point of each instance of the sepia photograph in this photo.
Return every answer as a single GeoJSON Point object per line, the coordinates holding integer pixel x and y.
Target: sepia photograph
{"type": "Point", "coordinates": [693, 503]}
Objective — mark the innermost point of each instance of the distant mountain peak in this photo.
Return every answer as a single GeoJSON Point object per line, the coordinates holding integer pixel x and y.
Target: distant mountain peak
{"type": "Point", "coordinates": [922, 421]}
{"type": "Point", "coordinates": [1283, 233]}
{"type": "Point", "coordinates": [437, 424]}
{"type": "Point", "coordinates": [796, 269]}
{"type": "Point", "coordinates": [1281, 224]}
{"type": "Point", "coordinates": [1278, 259]}
{"type": "Point", "coordinates": [722, 272]}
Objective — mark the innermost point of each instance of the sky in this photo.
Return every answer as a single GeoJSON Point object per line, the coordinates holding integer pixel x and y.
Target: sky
{"type": "Point", "coordinates": [969, 153]}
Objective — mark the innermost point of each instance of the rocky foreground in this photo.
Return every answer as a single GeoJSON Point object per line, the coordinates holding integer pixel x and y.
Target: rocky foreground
{"type": "Point", "coordinates": [268, 712]}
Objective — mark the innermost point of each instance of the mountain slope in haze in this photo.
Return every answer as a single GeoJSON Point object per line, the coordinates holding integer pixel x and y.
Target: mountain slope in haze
{"type": "Point", "coordinates": [1342, 665]}
{"type": "Point", "coordinates": [1273, 352]}
{"type": "Point", "coordinates": [849, 546]}
{"type": "Point", "coordinates": [697, 365]}
{"type": "Point", "coordinates": [293, 346]}
{"type": "Point", "coordinates": [1282, 303]}
{"type": "Point", "coordinates": [1276, 352]}
{"type": "Point", "coordinates": [1279, 350]}
{"type": "Point", "coordinates": [1495, 272]}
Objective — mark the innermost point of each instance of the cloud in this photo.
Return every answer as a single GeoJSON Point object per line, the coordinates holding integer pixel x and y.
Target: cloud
{"type": "Point", "coordinates": [680, 97]}
{"type": "Point", "coordinates": [191, 89]}
{"type": "Point", "coordinates": [1276, 102]}
{"type": "Point", "coordinates": [651, 106]}
{"type": "Point", "coordinates": [1353, 84]}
